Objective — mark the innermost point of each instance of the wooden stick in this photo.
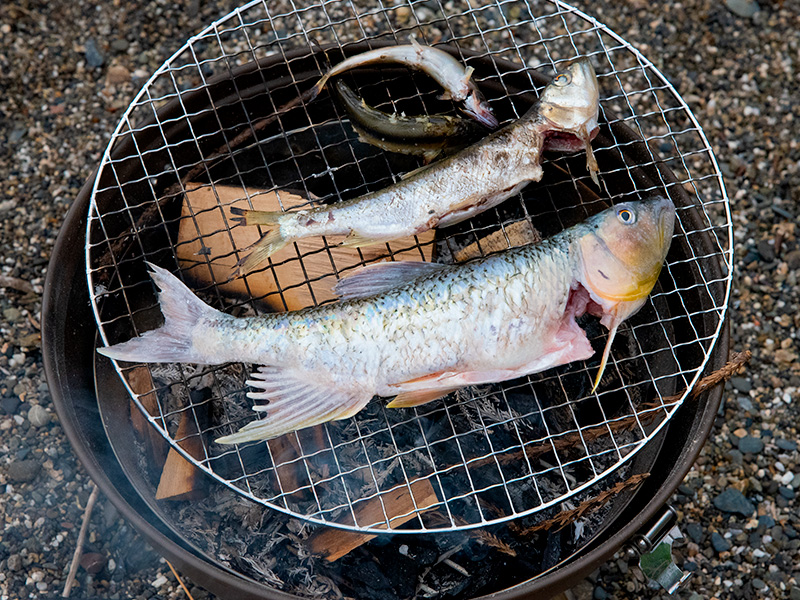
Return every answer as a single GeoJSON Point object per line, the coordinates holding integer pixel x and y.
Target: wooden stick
{"type": "Point", "coordinates": [76, 557]}
{"type": "Point", "coordinates": [519, 233]}
{"type": "Point", "coordinates": [142, 385]}
{"type": "Point", "coordinates": [332, 543]}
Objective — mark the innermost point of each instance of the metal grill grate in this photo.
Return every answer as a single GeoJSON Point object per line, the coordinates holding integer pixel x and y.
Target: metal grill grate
{"type": "Point", "coordinates": [489, 454]}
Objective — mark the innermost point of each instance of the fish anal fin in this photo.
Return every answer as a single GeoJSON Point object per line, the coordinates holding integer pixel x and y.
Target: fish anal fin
{"type": "Point", "coordinates": [356, 240]}
{"type": "Point", "coordinates": [297, 399]}
{"type": "Point", "coordinates": [380, 277]}
{"type": "Point", "coordinates": [419, 397]}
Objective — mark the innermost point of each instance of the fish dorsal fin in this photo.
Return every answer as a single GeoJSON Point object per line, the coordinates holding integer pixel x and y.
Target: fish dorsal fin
{"type": "Point", "coordinates": [380, 277]}
{"type": "Point", "coordinates": [297, 399]}
{"type": "Point", "coordinates": [417, 398]}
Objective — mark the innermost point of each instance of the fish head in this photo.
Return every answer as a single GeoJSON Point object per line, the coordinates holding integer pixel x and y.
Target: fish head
{"type": "Point", "coordinates": [476, 107]}
{"type": "Point", "coordinates": [622, 250]}
{"type": "Point", "coordinates": [571, 101]}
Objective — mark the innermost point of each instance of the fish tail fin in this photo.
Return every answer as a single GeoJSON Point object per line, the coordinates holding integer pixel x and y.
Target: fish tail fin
{"type": "Point", "coordinates": [269, 244]}
{"type": "Point", "coordinates": [244, 216]}
{"type": "Point", "coordinates": [173, 341]}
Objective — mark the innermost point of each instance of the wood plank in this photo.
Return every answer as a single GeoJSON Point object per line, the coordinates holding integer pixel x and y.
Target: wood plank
{"type": "Point", "coordinates": [180, 479]}
{"type": "Point", "coordinates": [332, 543]}
{"type": "Point", "coordinates": [141, 383]}
{"type": "Point", "coordinates": [210, 244]}
{"type": "Point", "coordinates": [519, 233]}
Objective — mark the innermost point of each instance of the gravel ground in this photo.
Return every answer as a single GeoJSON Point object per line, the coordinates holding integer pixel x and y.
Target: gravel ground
{"type": "Point", "coordinates": [66, 70]}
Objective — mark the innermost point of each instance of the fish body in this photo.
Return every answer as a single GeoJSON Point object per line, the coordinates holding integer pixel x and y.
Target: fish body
{"type": "Point", "coordinates": [455, 79]}
{"type": "Point", "coordinates": [418, 330]}
{"type": "Point", "coordinates": [447, 191]}
{"type": "Point", "coordinates": [423, 135]}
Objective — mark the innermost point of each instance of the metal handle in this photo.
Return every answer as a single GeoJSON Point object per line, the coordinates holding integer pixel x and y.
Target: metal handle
{"type": "Point", "coordinates": [653, 546]}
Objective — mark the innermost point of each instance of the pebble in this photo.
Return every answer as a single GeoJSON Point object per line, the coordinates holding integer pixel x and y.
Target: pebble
{"type": "Point", "coordinates": [10, 405]}
{"type": "Point", "coordinates": [695, 532]}
{"type": "Point", "coordinates": [118, 74]}
{"type": "Point", "coordinates": [38, 416]}
{"type": "Point", "coordinates": [750, 445]}
{"type": "Point", "coordinates": [742, 384]}
{"type": "Point", "coordinates": [742, 8]}
{"type": "Point", "coordinates": [93, 56]}
{"type": "Point", "coordinates": [22, 471]}
{"type": "Point", "coordinates": [733, 501]}
{"type": "Point", "coordinates": [719, 543]}
{"type": "Point", "coordinates": [788, 445]}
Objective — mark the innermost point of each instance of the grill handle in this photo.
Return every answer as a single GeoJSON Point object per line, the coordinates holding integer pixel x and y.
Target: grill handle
{"type": "Point", "coordinates": [652, 545]}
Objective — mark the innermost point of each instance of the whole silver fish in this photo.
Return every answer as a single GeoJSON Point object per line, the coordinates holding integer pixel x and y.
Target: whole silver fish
{"type": "Point", "coordinates": [452, 189]}
{"type": "Point", "coordinates": [455, 79]}
{"type": "Point", "coordinates": [418, 330]}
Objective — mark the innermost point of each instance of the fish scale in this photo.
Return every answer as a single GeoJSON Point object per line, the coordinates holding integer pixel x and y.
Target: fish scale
{"type": "Point", "coordinates": [418, 331]}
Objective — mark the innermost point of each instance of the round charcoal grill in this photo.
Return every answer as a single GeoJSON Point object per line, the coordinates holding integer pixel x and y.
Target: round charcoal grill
{"type": "Point", "coordinates": [205, 126]}
{"type": "Point", "coordinates": [495, 464]}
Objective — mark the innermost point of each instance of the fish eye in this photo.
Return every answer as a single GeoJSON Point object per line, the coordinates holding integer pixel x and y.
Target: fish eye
{"type": "Point", "coordinates": [562, 79]}
{"type": "Point", "coordinates": [626, 215]}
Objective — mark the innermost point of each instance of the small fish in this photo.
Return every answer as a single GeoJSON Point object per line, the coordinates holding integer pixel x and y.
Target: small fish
{"type": "Point", "coordinates": [452, 189]}
{"type": "Point", "coordinates": [455, 79]}
{"type": "Point", "coordinates": [424, 135]}
{"type": "Point", "coordinates": [418, 331]}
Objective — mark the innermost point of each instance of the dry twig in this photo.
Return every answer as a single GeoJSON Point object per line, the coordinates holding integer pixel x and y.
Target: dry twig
{"type": "Point", "coordinates": [178, 577]}
{"type": "Point", "coordinates": [76, 558]}
{"type": "Point", "coordinates": [566, 517]}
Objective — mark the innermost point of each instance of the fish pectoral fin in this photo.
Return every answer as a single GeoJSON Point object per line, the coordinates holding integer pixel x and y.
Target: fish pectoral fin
{"type": "Point", "coordinates": [419, 397]}
{"type": "Point", "coordinates": [468, 74]}
{"type": "Point", "coordinates": [297, 399]}
{"type": "Point", "coordinates": [380, 277]}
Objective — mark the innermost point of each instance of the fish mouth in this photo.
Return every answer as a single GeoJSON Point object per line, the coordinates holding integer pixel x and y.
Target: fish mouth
{"type": "Point", "coordinates": [477, 108]}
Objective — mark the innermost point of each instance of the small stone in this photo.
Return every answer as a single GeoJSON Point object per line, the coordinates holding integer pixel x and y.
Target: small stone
{"type": "Point", "coordinates": [10, 405]}
{"type": "Point", "coordinates": [765, 249]}
{"type": "Point", "coordinates": [794, 593]}
{"type": "Point", "coordinates": [21, 471]}
{"type": "Point", "coordinates": [695, 532]}
{"type": "Point", "coordinates": [740, 433]}
{"type": "Point", "coordinates": [787, 445]}
{"type": "Point", "coordinates": [786, 492]}
{"type": "Point", "coordinates": [742, 8]}
{"type": "Point", "coordinates": [118, 74]}
{"type": "Point", "coordinates": [741, 384]}
{"type": "Point", "coordinates": [750, 445]}
{"type": "Point", "coordinates": [93, 562]}
{"type": "Point", "coordinates": [759, 583]}
{"type": "Point", "coordinates": [793, 259]}
{"type": "Point", "coordinates": [733, 501]}
{"type": "Point", "coordinates": [17, 134]}
{"type": "Point", "coordinates": [93, 56]}
{"type": "Point", "coordinates": [38, 416]}
{"type": "Point", "coordinates": [600, 594]}
{"type": "Point", "coordinates": [120, 45]}
{"type": "Point", "coordinates": [719, 543]}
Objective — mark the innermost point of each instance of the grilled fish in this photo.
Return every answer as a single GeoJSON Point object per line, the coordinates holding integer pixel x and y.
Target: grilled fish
{"type": "Point", "coordinates": [452, 189]}
{"type": "Point", "coordinates": [417, 331]}
{"type": "Point", "coordinates": [455, 79]}
{"type": "Point", "coordinates": [425, 135]}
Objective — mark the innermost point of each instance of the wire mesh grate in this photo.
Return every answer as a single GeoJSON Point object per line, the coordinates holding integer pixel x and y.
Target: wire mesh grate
{"type": "Point", "coordinates": [206, 122]}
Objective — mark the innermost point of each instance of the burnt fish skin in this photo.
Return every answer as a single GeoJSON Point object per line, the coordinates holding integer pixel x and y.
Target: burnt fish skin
{"type": "Point", "coordinates": [450, 190]}
{"type": "Point", "coordinates": [418, 331]}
